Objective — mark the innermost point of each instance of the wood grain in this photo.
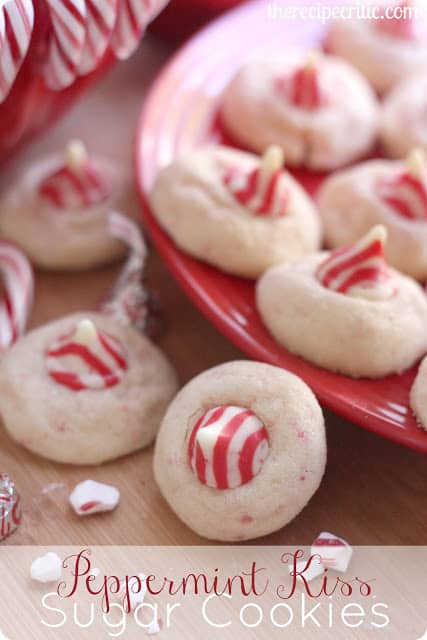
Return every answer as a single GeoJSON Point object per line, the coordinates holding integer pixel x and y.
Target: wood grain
{"type": "Point", "coordinates": [373, 491]}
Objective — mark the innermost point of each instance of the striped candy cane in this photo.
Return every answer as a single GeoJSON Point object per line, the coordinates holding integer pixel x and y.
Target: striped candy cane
{"type": "Point", "coordinates": [128, 302]}
{"type": "Point", "coordinates": [17, 298]}
{"type": "Point", "coordinates": [360, 269]}
{"type": "Point", "coordinates": [100, 21]}
{"type": "Point", "coordinates": [261, 190]}
{"type": "Point", "coordinates": [406, 192]}
{"type": "Point", "coordinates": [132, 18]}
{"type": "Point", "coordinates": [16, 28]}
{"type": "Point", "coordinates": [67, 40]}
{"type": "Point", "coordinates": [227, 447]}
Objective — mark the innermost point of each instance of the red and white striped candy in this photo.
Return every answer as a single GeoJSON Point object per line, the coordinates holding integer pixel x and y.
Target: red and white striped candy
{"type": "Point", "coordinates": [406, 192]}
{"type": "Point", "coordinates": [228, 446]}
{"type": "Point", "coordinates": [335, 553]}
{"type": "Point", "coordinates": [67, 39]}
{"type": "Point", "coordinates": [77, 184]}
{"type": "Point", "coordinates": [100, 21]}
{"type": "Point", "coordinates": [129, 299]}
{"type": "Point", "coordinates": [87, 358]}
{"type": "Point", "coordinates": [132, 18]}
{"type": "Point", "coordinates": [16, 28]}
{"type": "Point", "coordinates": [360, 269]}
{"type": "Point", "coordinates": [402, 24]}
{"type": "Point", "coordinates": [261, 190]}
{"type": "Point", "coordinates": [18, 282]}
{"type": "Point", "coordinates": [91, 497]}
{"type": "Point", "coordinates": [304, 88]}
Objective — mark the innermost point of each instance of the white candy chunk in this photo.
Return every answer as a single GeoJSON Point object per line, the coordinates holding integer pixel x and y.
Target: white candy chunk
{"type": "Point", "coordinates": [152, 629]}
{"type": "Point", "coordinates": [315, 569]}
{"type": "Point", "coordinates": [86, 333]}
{"type": "Point", "coordinates": [93, 497]}
{"type": "Point", "coordinates": [136, 594]}
{"type": "Point", "coordinates": [2, 636]}
{"type": "Point", "coordinates": [335, 552]}
{"type": "Point", "coordinates": [48, 568]}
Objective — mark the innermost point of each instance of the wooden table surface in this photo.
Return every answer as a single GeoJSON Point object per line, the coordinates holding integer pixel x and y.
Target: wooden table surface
{"type": "Point", "coordinates": [373, 491]}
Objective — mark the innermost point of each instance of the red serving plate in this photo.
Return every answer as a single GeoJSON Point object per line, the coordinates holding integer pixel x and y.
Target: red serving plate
{"type": "Point", "coordinates": [180, 112]}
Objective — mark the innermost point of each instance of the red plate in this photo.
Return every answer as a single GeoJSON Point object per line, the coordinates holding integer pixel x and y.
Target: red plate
{"type": "Point", "coordinates": [182, 112]}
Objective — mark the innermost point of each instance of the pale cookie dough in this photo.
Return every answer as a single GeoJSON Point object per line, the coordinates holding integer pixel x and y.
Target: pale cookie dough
{"type": "Point", "coordinates": [418, 395]}
{"type": "Point", "coordinates": [327, 120]}
{"type": "Point", "coordinates": [70, 235]}
{"type": "Point", "coordinates": [386, 52]}
{"type": "Point", "coordinates": [380, 192]}
{"type": "Point", "coordinates": [346, 311]}
{"type": "Point", "coordinates": [242, 490]}
{"type": "Point", "coordinates": [404, 117]}
{"type": "Point", "coordinates": [111, 416]}
{"type": "Point", "coordinates": [207, 203]}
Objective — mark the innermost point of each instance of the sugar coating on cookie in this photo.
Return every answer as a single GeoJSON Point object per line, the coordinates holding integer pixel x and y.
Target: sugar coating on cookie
{"type": "Point", "coordinates": [418, 395]}
{"type": "Point", "coordinates": [97, 394]}
{"type": "Point", "coordinates": [385, 50]}
{"type": "Point", "coordinates": [403, 123]}
{"type": "Point", "coordinates": [57, 209]}
{"type": "Point", "coordinates": [390, 193]}
{"type": "Point", "coordinates": [346, 311]}
{"type": "Point", "coordinates": [305, 102]}
{"type": "Point", "coordinates": [241, 450]}
{"type": "Point", "coordinates": [234, 210]}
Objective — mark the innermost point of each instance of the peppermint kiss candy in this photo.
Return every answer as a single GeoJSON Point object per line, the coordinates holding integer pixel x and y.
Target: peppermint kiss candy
{"type": "Point", "coordinates": [227, 447]}
{"type": "Point", "coordinates": [67, 39]}
{"type": "Point", "coordinates": [132, 18]}
{"type": "Point", "coordinates": [129, 299]}
{"type": "Point", "coordinates": [261, 190]}
{"type": "Point", "coordinates": [304, 88]}
{"type": "Point", "coordinates": [406, 192]}
{"type": "Point", "coordinates": [91, 497]}
{"type": "Point", "coordinates": [87, 358]}
{"type": "Point", "coordinates": [401, 25]}
{"type": "Point", "coordinates": [100, 20]}
{"type": "Point", "coordinates": [335, 552]}
{"type": "Point", "coordinates": [360, 269]}
{"type": "Point", "coordinates": [18, 282]}
{"type": "Point", "coordinates": [16, 28]}
{"type": "Point", "coordinates": [10, 506]}
{"type": "Point", "coordinates": [77, 184]}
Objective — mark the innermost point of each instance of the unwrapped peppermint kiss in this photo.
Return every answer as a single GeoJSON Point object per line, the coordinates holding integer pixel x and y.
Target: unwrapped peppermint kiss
{"type": "Point", "coordinates": [335, 552]}
{"type": "Point", "coordinates": [87, 358]}
{"type": "Point", "coordinates": [261, 190]}
{"type": "Point", "coordinates": [91, 497]}
{"type": "Point", "coordinates": [78, 183]}
{"type": "Point", "coordinates": [304, 87]}
{"type": "Point", "coordinates": [47, 568]}
{"type": "Point", "coordinates": [406, 191]}
{"type": "Point", "coordinates": [228, 447]}
{"type": "Point", "coordinates": [10, 506]}
{"type": "Point", "coordinates": [359, 270]}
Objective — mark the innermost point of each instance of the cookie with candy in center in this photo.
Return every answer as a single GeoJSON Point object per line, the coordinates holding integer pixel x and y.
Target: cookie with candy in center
{"type": "Point", "coordinates": [241, 450]}
{"type": "Point", "coordinates": [347, 310]}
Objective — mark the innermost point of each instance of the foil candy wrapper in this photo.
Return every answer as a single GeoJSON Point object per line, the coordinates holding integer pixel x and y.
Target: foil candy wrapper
{"type": "Point", "coordinates": [10, 507]}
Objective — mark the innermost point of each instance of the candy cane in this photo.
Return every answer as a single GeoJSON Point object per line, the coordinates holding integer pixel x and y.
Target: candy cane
{"type": "Point", "coordinates": [18, 294]}
{"type": "Point", "coordinates": [100, 21]}
{"type": "Point", "coordinates": [128, 302]}
{"type": "Point", "coordinates": [261, 190]}
{"type": "Point", "coordinates": [360, 269]}
{"type": "Point", "coordinates": [66, 44]}
{"type": "Point", "coordinates": [227, 447]}
{"type": "Point", "coordinates": [132, 18]}
{"type": "Point", "coordinates": [16, 28]}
